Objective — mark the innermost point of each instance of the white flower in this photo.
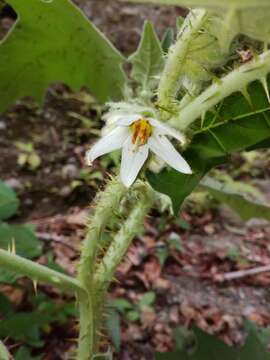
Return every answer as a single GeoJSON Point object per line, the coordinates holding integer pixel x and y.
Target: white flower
{"type": "Point", "coordinates": [136, 135]}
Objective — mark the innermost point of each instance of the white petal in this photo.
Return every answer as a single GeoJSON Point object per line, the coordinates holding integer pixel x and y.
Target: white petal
{"type": "Point", "coordinates": [128, 119]}
{"type": "Point", "coordinates": [167, 130]}
{"type": "Point", "coordinates": [113, 141]}
{"type": "Point", "coordinates": [133, 158]}
{"type": "Point", "coordinates": [162, 147]}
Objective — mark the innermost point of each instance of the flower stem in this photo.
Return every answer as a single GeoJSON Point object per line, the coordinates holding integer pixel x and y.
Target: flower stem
{"type": "Point", "coordinates": [37, 272]}
{"type": "Point", "coordinates": [120, 244]}
{"type": "Point", "coordinates": [171, 76]}
{"type": "Point", "coordinates": [106, 203]}
{"type": "Point", "coordinates": [237, 80]}
{"type": "Point", "coordinates": [105, 271]}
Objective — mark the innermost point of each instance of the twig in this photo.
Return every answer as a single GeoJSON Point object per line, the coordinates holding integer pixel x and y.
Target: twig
{"type": "Point", "coordinates": [242, 273]}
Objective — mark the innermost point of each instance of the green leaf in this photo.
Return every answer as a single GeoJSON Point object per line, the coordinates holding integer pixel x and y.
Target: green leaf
{"type": "Point", "coordinates": [6, 307]}
{"type": "Point", "coordinates": [210, 348]}
{"type": "Point", "coordinates": [114, 328]}
{"type": "Point", "coordinates": [54, 42]}
{"type": "Point", "coordinates": [121, 305]}
{"type": "Point", "coordinates": [8, 201]}
{"type": "Point", "coordinates": [24, 353]}
{"type": "Point", "coordinates": [4, 354]}
{"type": "Point", "coordinates": [17, 327]}
{"type": "Point", "coordinates": [26, 245]}
{"type": "Point", "coordinates": [24, 238]}
{"type": "Point", "coordinates": [148, 61]}
{"type": "Point", "coordinates": [167, 39]}
{"type": "Point", "coordinates": [235, 125]}
{"type": "Point", "coordinates": [148, 299]}
{"type": "Point", "coordinates": [235, 194]}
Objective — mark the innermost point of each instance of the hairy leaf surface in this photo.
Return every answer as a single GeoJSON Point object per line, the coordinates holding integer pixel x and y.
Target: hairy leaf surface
{"type": "Point", "coordinates": [147, 61]}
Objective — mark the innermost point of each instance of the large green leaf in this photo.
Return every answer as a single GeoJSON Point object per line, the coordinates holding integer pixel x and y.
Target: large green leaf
{"type": "Point", "coordinates": [148, 60]}
{"type": "Point", "coordinates": [235, 125]}
{"type": "Point", "coordinates": [242, 198]}
{"type": "Point", "coordinates": [210, 348]}
{"type": "Point", "coordinates": [54, 42]}
{"type": "Point", "coordinates": [8, 202]}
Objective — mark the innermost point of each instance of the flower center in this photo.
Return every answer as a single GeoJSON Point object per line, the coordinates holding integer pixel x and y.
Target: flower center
{"type": "Point", "coordinates": [141, 131]}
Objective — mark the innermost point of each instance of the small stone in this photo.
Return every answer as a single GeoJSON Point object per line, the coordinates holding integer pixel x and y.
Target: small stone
{"type": "Point", "coordinates": [14, 184]}
{"type": "Point", "coordinates": [65, 191]}
{"type": "Point", "coordinates": [3, 125]}
{"type": "Point", "coordinates": [70, 171]}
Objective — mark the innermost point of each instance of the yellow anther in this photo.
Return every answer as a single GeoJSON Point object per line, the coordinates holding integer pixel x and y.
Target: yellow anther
{"type": "Point", "coordinates": [141, 131]}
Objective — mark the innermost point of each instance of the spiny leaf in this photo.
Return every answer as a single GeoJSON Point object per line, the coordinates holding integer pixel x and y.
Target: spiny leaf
{"type": "Point", "coordinates": [148, 61]}
{"type": "Point", "coordinates": [234, 126]}
{"type": "Point", "coordinates": [234, 194]}
{"type": "Point", "coordinates": [54, 42]}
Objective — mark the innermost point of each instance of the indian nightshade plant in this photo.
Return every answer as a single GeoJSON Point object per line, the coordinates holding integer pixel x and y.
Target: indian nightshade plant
{"type": "Point", "coordinates": [193, 89]}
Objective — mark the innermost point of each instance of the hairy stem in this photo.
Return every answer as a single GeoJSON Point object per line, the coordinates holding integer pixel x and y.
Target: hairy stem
{"type": "Point", "coordinates": [37, 272]}
{"type": "Point", "coordinates": [107, 202]}
{"type": "Point", "coordinates": [122, 240]}
{"type": "Point", "coordinates": [114, 255]}
{"type": "Point", "coordinates": [237, 80]}
{"type": "Point", "coordinates": [171, 76]}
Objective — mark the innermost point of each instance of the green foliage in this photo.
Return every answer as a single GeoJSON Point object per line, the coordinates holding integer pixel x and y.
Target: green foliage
{"type": "Point", "coordinates": [243, 199]}
{"type": "Point", "coordinates": [4, 354]}
{"type": "Point", "coordinates": [54, 42]}
{"type": "Point", "coordinates": [16, 325]}
{"type": "Point", "coordinates": [210, 348]}
{"type": "Point", "coordinates": [167, 40]}
{"type": "Point", "coordinates": [148, 61]}
{"type": "Point", "coordinates": [114, 328]}
{"type": "Point", "coordinates": [234, 125]}
{"type": "Point", "coordinates": [8, 202]}
{"type": "Point", "coordinates": [24, 353]}
{"type": "Point", "coordinates": [18, 238]}
{"type": "Point", "coordinates": [23, 237]}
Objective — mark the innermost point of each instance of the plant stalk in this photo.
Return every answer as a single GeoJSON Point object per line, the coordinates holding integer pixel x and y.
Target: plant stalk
{"type": "Point", "coordinates": [237, 80]}
{"type": "Point", "coordinates": [170, 78]}
{"type": "Point", "coordinates": [39, 273]}
{"type": "Point", "coordinates": [107, 202]}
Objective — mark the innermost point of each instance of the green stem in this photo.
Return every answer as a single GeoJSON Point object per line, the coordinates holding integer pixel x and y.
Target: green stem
{"type": "Point", "coordinates": [171, 76]}
{"type": "Point", "coordinates": [120, 244]}
{"type": "Point", "coordinates": [114, 255]}
{"type": "Point", "coordinates": [107, 202]}
{"type": "Point", "coordinates": [237, 80]}
{"type": "Point", "coordinates": [37, 272]}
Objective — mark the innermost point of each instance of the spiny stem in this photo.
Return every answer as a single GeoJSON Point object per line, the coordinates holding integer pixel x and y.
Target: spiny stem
{"type": "Point", "coordinates": [106, 203]}
{"type": "Point", "coordinates": [37, 272]}
{"type": "Point", "coordinates": [119, 246]}
{"type": "Point", "coordinates": [237, 80]}
{"type": "Point", "coordinates": [171, 76]}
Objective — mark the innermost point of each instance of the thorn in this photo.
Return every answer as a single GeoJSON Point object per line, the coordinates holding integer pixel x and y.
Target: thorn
{"type": "Point", "coordinates": [246, 95]}
{"type": "Point", "coordinates": [35, 283]}
{"type": "Point", "coordinates": [13, 246]}
{"type": "Point", "coordinates": [203, 118]}
{"type": "Point", "coordinates": [266, 89]}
